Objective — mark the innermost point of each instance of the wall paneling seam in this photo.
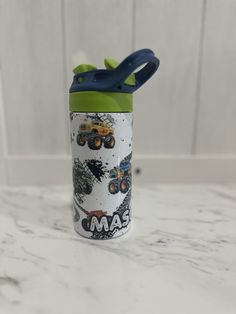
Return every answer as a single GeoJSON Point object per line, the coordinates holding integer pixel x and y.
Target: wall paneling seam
{"type": "Point", "coordinates": [3, 132]}
{"type": "Point", "coordinates": [133, 25]}
{"type": "Point", "coordinates": [64, 58]}
{"type": "Point", "coordinates": [199, 76]}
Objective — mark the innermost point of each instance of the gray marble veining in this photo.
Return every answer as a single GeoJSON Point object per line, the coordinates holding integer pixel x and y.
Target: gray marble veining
{"type": "Point", "coordinates": [179, 257]}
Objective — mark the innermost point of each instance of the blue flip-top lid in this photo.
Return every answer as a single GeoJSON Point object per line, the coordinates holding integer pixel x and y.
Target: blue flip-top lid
{"type": "Point", "coordinates": [115, 80]}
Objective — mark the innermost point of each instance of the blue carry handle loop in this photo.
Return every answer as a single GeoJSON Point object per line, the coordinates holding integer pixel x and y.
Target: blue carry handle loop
{"type": "Point", "coordinates": [129, 65]}
{"type": "Point", "coordinates": [114, 80]}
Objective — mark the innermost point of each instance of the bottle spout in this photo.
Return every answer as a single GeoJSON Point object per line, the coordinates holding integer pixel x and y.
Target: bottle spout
{"type": "Point", "coordinates": [120, 78]}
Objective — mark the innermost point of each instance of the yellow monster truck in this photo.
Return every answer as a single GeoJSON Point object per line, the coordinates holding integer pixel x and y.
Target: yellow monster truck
{"type": "Point", "coordinates": [95, 133]}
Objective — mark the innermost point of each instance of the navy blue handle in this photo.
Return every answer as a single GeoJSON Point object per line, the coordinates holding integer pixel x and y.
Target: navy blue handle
{"type": "Point", "coordinates": [114, 80]}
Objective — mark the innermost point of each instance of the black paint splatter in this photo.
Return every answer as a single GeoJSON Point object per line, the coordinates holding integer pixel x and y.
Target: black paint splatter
{"type": "Point", "coordinates": [97, 168]}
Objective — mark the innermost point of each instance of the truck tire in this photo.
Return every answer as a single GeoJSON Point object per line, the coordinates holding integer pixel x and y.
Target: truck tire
{"type": "Point", "coordinates": [81, 140]}
{"type": "Point", "coordinates": [94, 142]}
{"type": "Point", "coordinates": [113, 173]}
{"type": "Point", "coordinates": [124, 185]}
{"type": "Point", "coordinates": [109, 141]}
{"type": "Point", "coordinates": [88, 189]}
{"type": "Point", "coordinates": [113, 187]}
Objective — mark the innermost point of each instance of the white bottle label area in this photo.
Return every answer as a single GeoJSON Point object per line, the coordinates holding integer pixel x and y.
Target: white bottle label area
{"type": "Point", "coordinates": [101, 152]}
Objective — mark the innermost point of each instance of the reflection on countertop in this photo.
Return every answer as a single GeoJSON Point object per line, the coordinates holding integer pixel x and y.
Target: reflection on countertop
{"type": "Point", "coordinates": [179, 256]}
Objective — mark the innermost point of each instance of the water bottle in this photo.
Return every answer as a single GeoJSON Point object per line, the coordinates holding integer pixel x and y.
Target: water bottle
{"type": "Point", "coordinates": [101, 139]}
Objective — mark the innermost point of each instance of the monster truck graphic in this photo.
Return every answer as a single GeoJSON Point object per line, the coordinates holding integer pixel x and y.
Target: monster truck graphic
{"type": "Point", "coordinates": [85, 174]}
{"type": "Point", "coordinates": [121, 177]}
{"type": "Point", "coordinates": [96, 132]}
{"type": "Point", "coordinates": [82, 178]}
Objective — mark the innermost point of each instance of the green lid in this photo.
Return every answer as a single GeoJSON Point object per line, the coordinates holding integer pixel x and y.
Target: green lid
{"type": "Point", "coordinates": [93, 101]}
{"type": "Point", "coordinates": [97, 101]}
{"type": "Point", "coordinates": [110, 89]}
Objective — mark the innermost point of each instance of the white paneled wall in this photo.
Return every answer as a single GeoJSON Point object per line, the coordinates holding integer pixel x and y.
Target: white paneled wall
{"type": "Point", "coordinates": [185, 117]}
{"type": "Point", "coordinates": [217, 107]}
{"type": "Point", "coordinates": [33, 78]}
{"type": "Point", "coordinates": [172, 29]}
{"type": "Point", "coordinates": [97, 31]}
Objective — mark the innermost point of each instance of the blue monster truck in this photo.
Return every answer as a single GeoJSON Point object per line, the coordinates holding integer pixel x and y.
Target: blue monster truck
{"type": "Point", "coordinates": [121, 176]}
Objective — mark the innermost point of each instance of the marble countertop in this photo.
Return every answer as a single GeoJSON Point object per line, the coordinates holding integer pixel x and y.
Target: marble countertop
{"type": "Point", "coordinates": [179, 256]}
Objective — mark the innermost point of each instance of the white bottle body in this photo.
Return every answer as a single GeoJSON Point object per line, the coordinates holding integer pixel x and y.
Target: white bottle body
{"type": "Point", "coordinates": [101, 153]}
